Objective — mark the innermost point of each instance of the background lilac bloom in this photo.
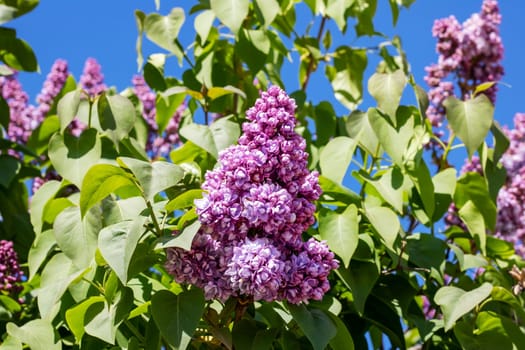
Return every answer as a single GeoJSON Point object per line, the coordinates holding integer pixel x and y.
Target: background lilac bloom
{"type": "Point", "coordinates": [10, 272]}
{"type": "Point", "coordinates": [257, 205]}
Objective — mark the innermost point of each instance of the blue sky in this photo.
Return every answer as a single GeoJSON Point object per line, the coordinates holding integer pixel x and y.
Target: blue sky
{"type": "Point", "coordinates": [106, 30]}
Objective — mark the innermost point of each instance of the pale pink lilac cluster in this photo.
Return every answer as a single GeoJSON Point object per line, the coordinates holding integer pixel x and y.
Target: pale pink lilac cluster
{"type": "Point", "coordinates": [510, 224]}
{"type": "Point", "coordinates": [157, 145]}
{"type": "Point", "coordinates": [257, 205]}
{"type": "Point", "coordinates": [10, 272]}
{"type": "Point", "coordinates": [25, 117]}
{"type": "Point", "coordinates": [469, 54]}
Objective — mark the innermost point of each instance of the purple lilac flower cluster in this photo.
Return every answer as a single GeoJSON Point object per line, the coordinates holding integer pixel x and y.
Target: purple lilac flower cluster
{"type": "Point", "coordinates": [510, 224]}
{"type": "Point", "coordinates": [258, 203]}
{"type": "Point", "coordinates": [24, 117]}
{"type": "Point", "coordinates": [471, 52]}
{"type": "Point", "coordinates": [10, 272]}
{"type": "Point", "coordinates": [158, 145]}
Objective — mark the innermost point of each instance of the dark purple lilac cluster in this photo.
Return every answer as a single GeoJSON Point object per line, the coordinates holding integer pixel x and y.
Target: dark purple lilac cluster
{"type": "Point", "coordinates": [257, 205]}
{"type": "Point", "coordinates": [24, 117]}
{"type": "Point", "coordinates": [510, 224]}
{"type": "Point", "coordinates": [469, 53]}
{"type": "Point", "coordinates": [158, 145]}
{"type": "Point", "coordinates": [10, 272]}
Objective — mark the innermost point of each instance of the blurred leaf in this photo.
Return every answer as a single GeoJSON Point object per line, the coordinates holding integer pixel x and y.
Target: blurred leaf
{"type": "Point", "coordinates": [19, 55]}
{"type": "Point", "coordinates": [483, 87]}
{"type": "Point", "coordinates": [139, 20]}
{"type": "Point", "coordinates": [203, 23]}
{"type": "Point", "coordinates": [316, 325]}
{"type": "Point", "coordinates": [10, 167]}
{"type": "Point", "coordinates": [72, 156]}
{"type": "Point", "coordinates": [216, 92]}
{"type": "Point", "coordinates": [337, 10]}
{"type": "Point", "coordinates": [164, 30]}
{"type": "Point", "coordinates": [502, 142]}
{"type": "Point", "coordinates": [470, 120]}
{"type": "Point", "coordinates": [269, 10]}
{"type": "Point", "coordinates": [39, 139]}
{"type": "Point", "coordinates": [341, 231]}
{"type": "Point", "coordinates": [343, 338]}
{"type": "Point", "coordinates": [230, 12]}
{"type": "Point", "coordinates": [499, 248]}
{"type": "Point", "coordinates": [456, 302]}
{"type": "Point", "coordinates": [76, 316]}
{"type": "Point", "coordinates": [7, 13]}
{"type": "Point", "coordinates": [178, 325]}
{"type": "Point", "coordinates": [38, 334]}
{"type": "Point", "coordinates": [4, 114]}
{"type": "Point", "coordinates": [184, 200]}
{"type": "Point", "coordinates": [336, 157]}
{"type": "Point", "coordinates": [387, 88]}
{"type": "Point", "coordinates": [67, 108]}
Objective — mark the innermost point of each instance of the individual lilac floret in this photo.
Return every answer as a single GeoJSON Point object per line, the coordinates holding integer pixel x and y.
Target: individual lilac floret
{"type": "Point", "coordinates": [256, 269]}
{"type": "Point", "coordinates": [92, 79]}
{"type": "Point", "coordinates": [10, 272]}
{"type": "Point", "coordinates": [257, 204]}
{"type": "Point", "coordinates": [52, 86]}
{"type": "Point", "coordinates": [158, 145]}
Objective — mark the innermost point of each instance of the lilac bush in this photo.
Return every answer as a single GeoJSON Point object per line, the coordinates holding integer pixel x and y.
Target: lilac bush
{"type": "Point", "coordinates": [257, 204]}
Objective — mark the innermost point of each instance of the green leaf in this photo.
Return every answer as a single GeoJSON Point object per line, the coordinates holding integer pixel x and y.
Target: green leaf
{"type": "Point", "coordinates": [185, 310]}
{"type": "Point", "coordinates": [386, 223]}
{"type": "Point", "coordinates": [4, 113]}
{"type": "Point", "coordinates": [346, 75]}
{"type": "Point", "coordinates": [391, 186]}
{"type": "Point", "coordinates": [217, 91]}
{"type": "Point", "coordinates": [77, 237]}
{"type": "Point", "coordinates": [358, 128]}
{"type": "Point", "coordinates": [325, 122]}
{"type": "Point", "coordinates": [316, 325]}
{"type": "Point", "coordinates": [336, 157]}
{"type": "Point", "coordinates": [420, 176]}
{"type": "Point", "coordinates": [503, 295]}
{"type": "Point", "coordinates": [470, 120]}
{"type": "Point", "coordinates": [117, 244]}
{"type": "Point", "coordinates": [336, 9]}
{"type": "Point", "coordinates": [341, 231]}
{"type": "Point", "coordinates": [426, 251]}
{"type": "Point", "coordinates": [253, 47]}
{"type": "Point", "coordinates": [76, 316]}
{"type": "Point", "coordinates": [501, 142]}
{"type": "Point", "coordinates": [444, 186]}
{"type": "Point", "coordinates": [139, 20]}
{"type": "Point", "coordinates": [40, 249]}
{"type": "Point", "coordinates": [203, 23]}
{"type": "Point", "coordinates": [46, 192]}
{"type": "Point", "coordinates": [456, 302]}
{"type": "Point", "coordinates": [153, 177]}
{"type": "Point", "coordinates": [472, 186]}
{"type": "Point", "coordinates": [39, 139]}
{"type": "Point", "coordinates": [38, 334]}
{"type": "Point", "coordinates": [11, 343]}
{"type": "Point", "coordinates": [213, 138]}
{"type": "Point", "coordinates": [20, 56]}
{"type": "Point", "coordinates": [67, 108]}
{"type": "Point", "coordinates": [167, 107]}
{"type": "Point", "coordinates": [57, 275]}
{"type": "Point", "coordinates": [343, 338]}
{"type": "Point", "coordinates": [10, 167]}
{"type": "Point", "coordinates": [164, 30]}
{"type": "Point", "coordinates": [387, 88]}
{"type": "Point", "coordinates": [269, 10]}
{"type": "Point", "coordinates": [184, 200]}
{"type": "Point", "coordinates": [360, 278]}
{"type": "Point", "coordinates": [100, 181]}
{"type": "Point", "coordinates": [7, 13]}
{"type": "Point", "coordinates": [230, 12]}
{"type": "Point", "coordinates": [475, 223]}
{"type": "Point", "coordinates": [116, 115]}
{"type": "Point", "coordinates": [182, 240]}
{"type": "Point", "coordinates": [72, 156]}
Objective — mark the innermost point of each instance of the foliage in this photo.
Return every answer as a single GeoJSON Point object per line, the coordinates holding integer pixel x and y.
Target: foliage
{"type": "Point", "coordinates": [126, 174]}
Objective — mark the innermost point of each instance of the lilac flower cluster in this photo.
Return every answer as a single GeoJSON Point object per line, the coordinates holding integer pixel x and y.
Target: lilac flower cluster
{"type": "Point", "coordinates": [92, 79]}
{"type": "Point", "coordinates": [510, 224]}
{"type": "Point", "coordinates": [158, 145]}
{"type": "Point", "coordinates": [258, 203]}
{"type": "Point", "coordinates": [10, 272]}
{"type": "Point", "coordinates": [24, 117]}
{"type": "Point", "coordinates": [471, 53]}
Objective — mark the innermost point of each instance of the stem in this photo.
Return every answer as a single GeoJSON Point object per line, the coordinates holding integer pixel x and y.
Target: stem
{"type": "Point", "coordinates": [310, 68]}
{"type": "Point", "coordinates": [134, 330]}
{"type": "Point", "coordinates": [154, 218]}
